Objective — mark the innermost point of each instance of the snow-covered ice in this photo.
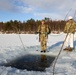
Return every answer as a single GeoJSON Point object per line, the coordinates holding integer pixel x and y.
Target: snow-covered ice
{"type": "Point", "coordinates": [11, 47]}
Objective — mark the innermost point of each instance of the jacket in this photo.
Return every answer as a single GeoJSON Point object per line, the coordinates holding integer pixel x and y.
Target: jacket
{"type": "Point", "coordinates": [70, 27]}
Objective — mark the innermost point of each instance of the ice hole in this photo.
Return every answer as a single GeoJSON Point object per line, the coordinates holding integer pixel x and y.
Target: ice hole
{"type": "Point", "coordinates": [32, 62]}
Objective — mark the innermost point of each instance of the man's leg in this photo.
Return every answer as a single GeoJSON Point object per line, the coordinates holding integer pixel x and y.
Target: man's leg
{"type": "Point", "coordinates": [66, 42]}
{"type": "Point", "coordinates": [43, 43]}
{"type": "Point", "coordinates": [71, 42]}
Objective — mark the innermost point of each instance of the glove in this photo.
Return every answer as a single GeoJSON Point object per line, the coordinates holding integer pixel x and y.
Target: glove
{"type": "Point", "coordinates": [48, 33]}
{"type": "Point", "coordinates": [36, 32]}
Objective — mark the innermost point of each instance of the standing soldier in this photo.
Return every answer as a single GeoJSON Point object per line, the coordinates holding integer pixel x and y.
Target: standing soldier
{"type": "Point", "coordinates": [43, 31]}
{"type": "Point", "coordinates": [70, 28]}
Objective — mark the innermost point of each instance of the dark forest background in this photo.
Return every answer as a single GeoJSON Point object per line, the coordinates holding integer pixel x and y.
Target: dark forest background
{"type": "Point", "coordinates": [30, 26]}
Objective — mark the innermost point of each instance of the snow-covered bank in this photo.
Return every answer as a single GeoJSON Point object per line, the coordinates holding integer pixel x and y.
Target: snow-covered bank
{"type": "Point", "coordinates": [11, 48]}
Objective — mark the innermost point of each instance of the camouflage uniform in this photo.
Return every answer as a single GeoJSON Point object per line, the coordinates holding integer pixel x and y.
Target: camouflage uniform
{"type": "Point", "coordinates": [43, 34]}
{"type": "Point", "coordinates": [70, 28]}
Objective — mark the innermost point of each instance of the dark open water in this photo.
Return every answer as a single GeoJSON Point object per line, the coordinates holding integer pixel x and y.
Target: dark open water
{"type": "Point", "coordinates": [32, 62]}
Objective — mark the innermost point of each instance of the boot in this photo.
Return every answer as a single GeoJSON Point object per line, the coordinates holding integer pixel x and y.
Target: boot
{"type": "Point", "coordinates": [70, 49]}
{"type": "Point", "coordinates": [65, 49]}
{"type": "Point", "coordinates": [44, 51]}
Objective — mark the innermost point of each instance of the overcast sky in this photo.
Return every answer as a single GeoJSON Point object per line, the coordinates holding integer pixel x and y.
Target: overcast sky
{"type": "Point", "coordinates": [23, 10]}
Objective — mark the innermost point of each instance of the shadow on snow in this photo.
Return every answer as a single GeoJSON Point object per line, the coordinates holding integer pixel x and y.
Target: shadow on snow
{"type": "Point", "coordinates": [58, 44]}
{"type": "Point", "coordinates": [55, 45]}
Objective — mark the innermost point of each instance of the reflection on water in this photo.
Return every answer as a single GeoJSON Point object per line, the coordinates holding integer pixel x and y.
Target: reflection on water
{"type": "Point", "coordinates": [32, 62]}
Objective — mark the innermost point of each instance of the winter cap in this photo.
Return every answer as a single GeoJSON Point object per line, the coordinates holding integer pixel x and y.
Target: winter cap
{"type": "Point", "coordinates": [70, 17]}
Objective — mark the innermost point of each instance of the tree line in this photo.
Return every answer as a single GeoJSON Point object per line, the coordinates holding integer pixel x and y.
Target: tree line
{"type": "Point", "coordinates": [30, 26]}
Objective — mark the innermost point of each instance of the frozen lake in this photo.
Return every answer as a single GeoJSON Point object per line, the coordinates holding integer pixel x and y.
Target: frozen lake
{"type": "Point", "coordinates": [12, 49]}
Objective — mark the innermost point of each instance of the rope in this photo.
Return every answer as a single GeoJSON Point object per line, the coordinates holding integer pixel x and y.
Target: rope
{"type": "Point", "coordinates": [19, 37]}
{"type": "Point", "coordinates": [60, 50]}
{"type": "Point", "coordinates": [58, 54]}
{"type": "Point", "coordinates": [55, 61]}
{"type": "Point", "coordinates": [21, 42]}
